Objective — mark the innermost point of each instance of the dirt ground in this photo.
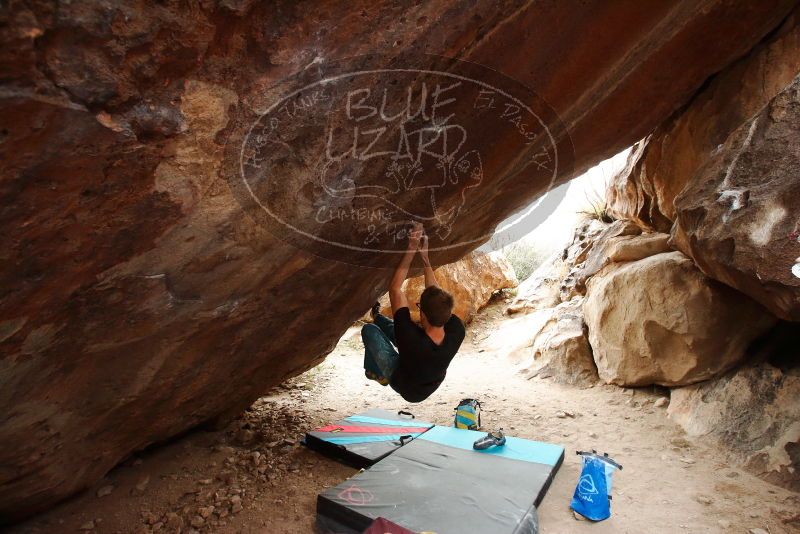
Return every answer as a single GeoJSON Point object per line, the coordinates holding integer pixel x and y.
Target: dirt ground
{"type": "Point", "coordinates": [254, 477]}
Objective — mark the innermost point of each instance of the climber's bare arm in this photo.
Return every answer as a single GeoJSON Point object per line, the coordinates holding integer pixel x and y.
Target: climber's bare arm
{"type": "Point", "coordinates": [430, 276]}
{"type": "Point", "coordinates": [396, 295]}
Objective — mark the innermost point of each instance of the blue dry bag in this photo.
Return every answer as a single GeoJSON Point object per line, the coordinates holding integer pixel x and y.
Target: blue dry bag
{"type": "Point", "coordinates": [592, 498]}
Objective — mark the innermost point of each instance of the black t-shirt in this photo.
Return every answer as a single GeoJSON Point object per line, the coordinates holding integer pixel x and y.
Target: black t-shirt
{"type": "Point", "coordinates": [423, 363]}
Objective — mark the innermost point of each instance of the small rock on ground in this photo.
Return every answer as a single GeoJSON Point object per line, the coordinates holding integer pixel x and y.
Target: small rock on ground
{"type": "Point", "coordinates": [704, 499]}
{"type": "Point", "coordinates": [105, 490]}
{"type": "Point", "coordinates": [142, 484]}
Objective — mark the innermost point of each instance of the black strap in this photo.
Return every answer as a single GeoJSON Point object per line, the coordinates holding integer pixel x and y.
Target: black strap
{"type": "Point", "coordinates": [403, 412]}
{"type": "Point", "coordinates": [604, 457]}
{"type": "Point", "coordinates": [403, 438]}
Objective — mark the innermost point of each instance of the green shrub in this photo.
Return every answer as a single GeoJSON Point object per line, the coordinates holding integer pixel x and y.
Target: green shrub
{"type": "Point", "coordinates": [596, 208]}
{"type": "Point", "coordinates": [524, 258]}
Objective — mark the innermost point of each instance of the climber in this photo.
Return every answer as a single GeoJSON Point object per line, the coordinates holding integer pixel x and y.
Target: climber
{"type": "Point", "coordinates": [418, 364]}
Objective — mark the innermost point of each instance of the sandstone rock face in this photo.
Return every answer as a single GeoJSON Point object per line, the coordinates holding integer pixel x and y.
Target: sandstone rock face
{"type": "Point", "coordinates": [617, 249]}
{"type": "Point", "coordinates": [624, 248]}
{"type": "Point", "coordinates": [724, 171]}
{"type": "Point", "coordinates": [549, 343]}
{"type": "Point", "coordinates": [471, 280]}
{"type": "Point", "coordinates": [587, 233]}
{"type": "Point", "coordinates": [586, 236]}
{"type": "Point", "coordinates": [139, 300]}
{"type": "Point", "coordinates": [752, 411]}
{"type": "Point", "coordinates": [633, 194]}
{"type": "Point", "coordinates": [541, 289]}
{"type": "Point", "coordinates": [661, 321]}
{"type": "Point", "coordinates": [560, 349]}
{"type": "Point", "coordinates": [739, 218]}
{"type": "Point", "coordinates": [596, 244]}
{"type": "Point", "coordinates": [514, 337]}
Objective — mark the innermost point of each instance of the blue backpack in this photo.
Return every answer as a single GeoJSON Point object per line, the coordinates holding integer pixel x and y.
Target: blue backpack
{"type": "Point", "coordinates": [592, 498]}
{"type": "Point", "coordinates": [468, 414]}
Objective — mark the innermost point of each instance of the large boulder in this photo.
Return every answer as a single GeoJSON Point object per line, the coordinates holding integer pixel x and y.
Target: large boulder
{"type": "Point", "coordinates": [596, 244]}
{"type": "Point", "coordinates": [618, 249]}
{"type": "Point", "coordinates": [623, 248]}
{"type": "Point", "coordinates": [139, 299]}
{"type": "Point", "coordinates": [560, 347]}
{"type": "Point", "coordinates": [661, 321]}
{"type": "Point", "coordinates": [739, 217]}
{"type": "Point", "coordinates": [541, 289]}
{"type": "Point", "coordinates": [547, 343]}
{"type": "Point", "coordinates": [754, 412]}
{"type": "Point", "coordinates": [722, 175]}
{"type": "Point", "coordinates": [513, 337]}
{"type": "Point", "coordinates": [472, 281]}
{"type": "Point", "coordinates": [589, 235]}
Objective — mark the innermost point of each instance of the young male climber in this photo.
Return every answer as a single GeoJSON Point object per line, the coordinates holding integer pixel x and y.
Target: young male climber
{"type": "Point", "coordinates": [418, 364]}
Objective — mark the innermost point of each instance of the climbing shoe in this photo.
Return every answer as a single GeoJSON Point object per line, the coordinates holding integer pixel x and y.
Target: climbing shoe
{"type": "Point", "coordinates": [492, 439]}
{"type": "Point", "coordinates": [379, 379]}
{"type": "Point", "coordinates": [375, 310]}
